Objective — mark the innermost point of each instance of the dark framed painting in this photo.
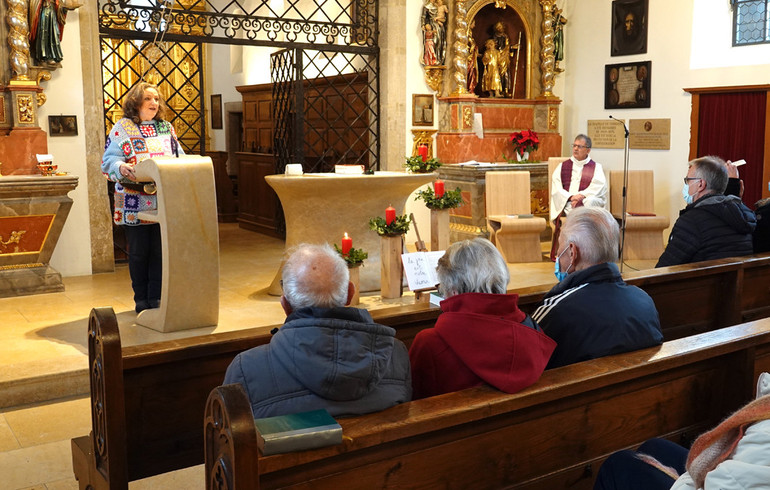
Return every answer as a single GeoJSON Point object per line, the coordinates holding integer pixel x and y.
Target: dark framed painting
{"type": "Point", "coordinates": [422, 109]}
{"type": "Point", "coordinates": [629, 27]}
{"type": "Point", "coordinates": [216, 111]}
{"type": "Point", "coordinates": [63, 125]}
{"type": "Point", "coordinates": [627, 85]}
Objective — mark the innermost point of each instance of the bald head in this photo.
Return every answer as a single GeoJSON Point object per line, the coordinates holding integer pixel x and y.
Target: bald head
{"type": "Point", "coordinates": [315, 275]}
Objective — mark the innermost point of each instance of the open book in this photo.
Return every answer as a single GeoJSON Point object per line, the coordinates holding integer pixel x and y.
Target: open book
{"type": "Point", "coordinates": [297, 432]}
{"type": "Point", "coordinates": [420, 269]}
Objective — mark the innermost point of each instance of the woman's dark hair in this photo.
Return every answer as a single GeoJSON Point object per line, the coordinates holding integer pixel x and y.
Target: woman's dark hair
{"type": "Point", "coordinates": [135, 97]}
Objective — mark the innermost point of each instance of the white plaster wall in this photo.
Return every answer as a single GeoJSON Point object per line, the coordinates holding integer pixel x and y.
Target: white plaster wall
{"type": "Point", "coordinates": [72, 256]}
{"type": "Point", "coordinates": [679, 32]}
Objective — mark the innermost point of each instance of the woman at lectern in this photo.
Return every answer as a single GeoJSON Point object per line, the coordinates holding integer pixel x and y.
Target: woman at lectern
{"type": "Point", "coordinates": [142, 133]}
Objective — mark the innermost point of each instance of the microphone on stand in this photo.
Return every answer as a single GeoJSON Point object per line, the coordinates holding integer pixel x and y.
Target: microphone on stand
{"type": "Point", "coordinates": [625, 197]}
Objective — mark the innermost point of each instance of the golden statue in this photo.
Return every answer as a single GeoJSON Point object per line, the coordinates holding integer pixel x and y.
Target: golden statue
{"type": "Point", "coordinates": [491, 81]}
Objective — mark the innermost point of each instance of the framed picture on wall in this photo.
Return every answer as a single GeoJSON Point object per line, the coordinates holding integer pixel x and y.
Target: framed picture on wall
{"type": "Point", "coordinates": [422, 110]}
{"type": "Point", "coordinates": [63, 125]}
{"type": "Point", "coordinates": [629, 27]}
{"type": "Point", "coordinates": [216, 111]}
{"type": "Point", "coordinates": [627, 85]}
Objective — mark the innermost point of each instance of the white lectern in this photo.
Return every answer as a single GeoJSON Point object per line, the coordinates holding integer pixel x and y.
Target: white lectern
{"type": "Point", "coordinates": [187, 213]}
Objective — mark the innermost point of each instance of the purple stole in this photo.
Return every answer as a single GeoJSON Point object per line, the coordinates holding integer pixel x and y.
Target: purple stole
{"type": "Point", "coordinates": [586, 176]}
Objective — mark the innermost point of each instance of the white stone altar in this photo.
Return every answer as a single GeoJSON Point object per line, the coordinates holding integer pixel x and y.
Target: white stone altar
{"type": "Point", "coordinates": [322, 207]}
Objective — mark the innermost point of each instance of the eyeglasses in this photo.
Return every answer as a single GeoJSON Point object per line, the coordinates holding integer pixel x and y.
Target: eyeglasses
{"type": "Point", "coordinates": [580, 146]}
{"type": "Point", "coordinates": [688, 179]}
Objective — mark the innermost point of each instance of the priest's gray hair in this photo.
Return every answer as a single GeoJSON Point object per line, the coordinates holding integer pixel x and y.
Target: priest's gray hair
{"type": "Point", "coordinates": [315, 275]}
{"type": "Point", "coordinates": [595, 232]}
{"type": "Point", "coordinates": [585, 138]}
{"type": "Point", "coordinates": [713, 171]}
{"type": "Point", "coordinates": [472, 266]}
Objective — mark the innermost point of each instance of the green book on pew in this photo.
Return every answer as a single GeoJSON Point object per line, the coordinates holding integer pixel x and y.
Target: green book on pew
{"type": "Point", "coordinates": [297, 432]}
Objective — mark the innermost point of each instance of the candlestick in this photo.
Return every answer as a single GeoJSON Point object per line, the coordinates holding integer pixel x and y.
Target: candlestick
{"type": "Point", "coordinates": [390, 215]}
{"type": "Point", "coordinates": [347, 244]}
{"type": "Point", "coordinates": [438, 188]}
{"type": "Point", "coordinates": [423, 150]}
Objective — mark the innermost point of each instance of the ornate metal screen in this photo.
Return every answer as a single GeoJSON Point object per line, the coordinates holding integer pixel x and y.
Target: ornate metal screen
{"type": "Point", "coordinates": [325, 109]}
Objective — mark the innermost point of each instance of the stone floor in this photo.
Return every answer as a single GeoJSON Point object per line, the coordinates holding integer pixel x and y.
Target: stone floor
{"type": "Point", "coordinates": [43, 354]}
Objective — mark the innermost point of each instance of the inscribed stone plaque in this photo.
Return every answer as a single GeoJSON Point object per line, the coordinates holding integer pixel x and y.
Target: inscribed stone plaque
{"type": "Point", "coordinates": [606, 133]}
{"type": "Point", "coordinates": [650, 134]}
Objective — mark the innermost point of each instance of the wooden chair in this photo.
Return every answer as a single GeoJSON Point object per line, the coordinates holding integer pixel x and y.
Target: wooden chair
{"type": "Point", "coordinates": [644, 230]}
{"type": "Point", "coordinates": [517, 238]}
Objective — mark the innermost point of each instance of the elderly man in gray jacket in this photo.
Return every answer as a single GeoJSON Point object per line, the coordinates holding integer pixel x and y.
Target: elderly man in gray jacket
{"type": "Point", "coordinates": [325, 355]}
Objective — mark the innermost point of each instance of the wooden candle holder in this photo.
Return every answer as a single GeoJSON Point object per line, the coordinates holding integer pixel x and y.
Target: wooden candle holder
{"type": "Point", "coordinates": [439, 229]}
{"type": "Point", "coordinates": [391, 269]}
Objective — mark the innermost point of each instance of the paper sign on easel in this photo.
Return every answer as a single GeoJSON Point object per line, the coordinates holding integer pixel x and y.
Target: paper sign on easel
{"type": "Point", "coordinates": [420, 269]}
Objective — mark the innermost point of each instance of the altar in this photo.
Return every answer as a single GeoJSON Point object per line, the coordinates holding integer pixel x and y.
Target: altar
{"type": "Point", "coordinates": [321, 207]}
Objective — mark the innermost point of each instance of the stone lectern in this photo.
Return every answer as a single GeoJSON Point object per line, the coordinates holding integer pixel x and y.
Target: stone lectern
{"type": "Point", "coordinates": [187, 213]}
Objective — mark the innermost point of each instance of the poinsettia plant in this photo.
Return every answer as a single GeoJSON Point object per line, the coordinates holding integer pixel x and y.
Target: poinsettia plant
{"type": "Point", "coordinates": [524, 141]}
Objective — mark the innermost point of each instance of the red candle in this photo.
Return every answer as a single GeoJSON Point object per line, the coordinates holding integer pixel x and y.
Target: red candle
{"type": "Point", "coordinates": [347, 244]}
{"type": "Point", "coordinates": [423, 149]}
{"type": "Point", "coordinates": [390, 215]}
{"type": "Point", "coordinates": [438, 187]}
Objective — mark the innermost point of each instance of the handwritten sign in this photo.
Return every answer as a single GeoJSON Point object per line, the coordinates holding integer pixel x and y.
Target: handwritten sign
{"type": "Point", "coordinates": [420, 269]}
{"type": "Point", "coordinates": [606, 133]}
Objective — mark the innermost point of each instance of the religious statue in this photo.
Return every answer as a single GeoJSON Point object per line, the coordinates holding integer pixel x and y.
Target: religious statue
{"type": "Point", "coordinates": [491, 80]}
{"type": "Point", "coordinates": [429, 50]}
{"type": "Point", "coordinates": [558, 36]}
{"type": "Point", "coordinates": [46, 20]}
{"type": "Point", "coordinates": [434, 14]}
{"type": "Point", "coordinates": [503, 45]}
{"type": "Point", "coordinates": [473, 59]}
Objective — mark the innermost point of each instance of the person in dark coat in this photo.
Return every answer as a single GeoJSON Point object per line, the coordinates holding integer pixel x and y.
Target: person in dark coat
{"type": "Point", "coordinates": [592, 312]}
{"type": "Point", "coordinates": [712, 225]}
{"type": "Point", "coordinates": [481, 335]}
{"type": "Point", "coordinates": [325, 355]}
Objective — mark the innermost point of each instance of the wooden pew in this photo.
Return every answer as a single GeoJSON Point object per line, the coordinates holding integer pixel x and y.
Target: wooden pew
{"type": "Point", "coordinates": [152, 396]}
{"type": "Point", "coordinates": [553, 434]}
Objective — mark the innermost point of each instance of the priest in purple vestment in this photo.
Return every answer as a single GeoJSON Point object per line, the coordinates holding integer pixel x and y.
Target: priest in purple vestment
{"type": "Point", "coordinates": [576, 182]}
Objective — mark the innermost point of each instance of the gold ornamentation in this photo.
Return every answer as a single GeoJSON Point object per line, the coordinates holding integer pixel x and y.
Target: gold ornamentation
{"type": "Point", "coordinates": [18, 38]}
{"type": "Point", "coordinates": [461, 49]}
{"type": "Point", "coordinates": [25, 110]}
{"type": "Point", "coordinates": [553, 118]}
{"type": "Point", "coordinates": [14, 238]}
{"type": "Point", "coordinates": [547, 57]}
{"type": "Point", "coordinates": [20, 266]}
{"type": "Point", "coordinates": [422, 137]}
{"type": "Point", "coordinates": [536, 203]}
{"type": "Point", "coordinates": [41, 99]}
{"type": "Point", "coordinates": [467, 228]}
{"type": "Point", "coordinates": [434, 77]}
{"type": "Point", "coordinates": [467, 117]}
{"type": "Point", "coordinates": [500, 4]}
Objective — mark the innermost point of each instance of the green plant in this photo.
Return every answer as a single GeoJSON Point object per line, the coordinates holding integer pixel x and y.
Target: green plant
{"type": "Point", "coordinates": [416, 165]}
{"type": "Point", "coordinates": [354, 258]}
{"type": "Point", "coordinates": [399, 226]}
{"type": "Point", "coordinates": [450, 199]}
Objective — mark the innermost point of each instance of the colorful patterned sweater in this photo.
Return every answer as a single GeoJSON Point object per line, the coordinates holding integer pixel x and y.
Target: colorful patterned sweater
{"type": "Point", "coordinates": [130, 143]}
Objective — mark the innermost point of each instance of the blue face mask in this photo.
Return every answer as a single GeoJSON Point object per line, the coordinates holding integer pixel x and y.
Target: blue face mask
{"type": "Point", "coordinates": [686, 194]}
{"type": "Point", "coordinates": [559, 274]}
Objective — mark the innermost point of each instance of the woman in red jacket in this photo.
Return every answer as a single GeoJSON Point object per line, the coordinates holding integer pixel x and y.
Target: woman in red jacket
{"type": "Point", "coordinates": [481, 336]}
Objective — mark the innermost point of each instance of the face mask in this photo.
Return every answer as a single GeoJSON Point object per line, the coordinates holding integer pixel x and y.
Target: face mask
{"type": "Point", "coordinates": [686, 194]}
{"type": "Point", "coordinates": [559, 274]}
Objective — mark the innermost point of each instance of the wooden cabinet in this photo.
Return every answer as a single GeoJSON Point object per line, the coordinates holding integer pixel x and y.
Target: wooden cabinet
{"type": "Point", "coordinates": [257, 201]}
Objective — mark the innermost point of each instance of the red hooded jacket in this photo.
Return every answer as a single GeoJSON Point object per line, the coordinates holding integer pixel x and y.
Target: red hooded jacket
{"type": "Point", "coordinates": [479, 338]}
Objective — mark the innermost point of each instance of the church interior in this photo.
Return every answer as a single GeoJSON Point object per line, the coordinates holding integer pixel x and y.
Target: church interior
{"type": "Point", "coordinates": [392, 87]}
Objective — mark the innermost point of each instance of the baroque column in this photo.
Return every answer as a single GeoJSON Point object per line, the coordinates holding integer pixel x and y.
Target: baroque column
{"type": "Point", "coordinates": [461, 48]}
{"type": "Point", "coordinates": [547, 56]}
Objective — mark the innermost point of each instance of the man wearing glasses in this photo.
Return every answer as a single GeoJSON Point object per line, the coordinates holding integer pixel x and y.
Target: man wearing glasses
{"type": "Point", "coordinates": [576, 182]}
{"type": "Point", "coordinates": [712, 225]}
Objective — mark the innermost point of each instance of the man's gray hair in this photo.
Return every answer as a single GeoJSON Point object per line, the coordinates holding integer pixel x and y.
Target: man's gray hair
{"type": "Point", "coordinates": [711, 169]}
{"type": "Point", "coordinates": [315, 275]}
{"type": "Point", "coordinates": [585, 138]}
{"type": "Point", "coordinates": [472, 266]}
{"type": "Point", "coordinates": [595, 232]}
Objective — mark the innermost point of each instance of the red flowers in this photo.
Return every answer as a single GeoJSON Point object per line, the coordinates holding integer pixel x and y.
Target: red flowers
{"type": "Point", "coordinates": [524, 141]}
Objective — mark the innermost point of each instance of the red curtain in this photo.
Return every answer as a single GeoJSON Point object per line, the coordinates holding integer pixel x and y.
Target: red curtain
{"type": "Point", "coordinates": [732, 126]}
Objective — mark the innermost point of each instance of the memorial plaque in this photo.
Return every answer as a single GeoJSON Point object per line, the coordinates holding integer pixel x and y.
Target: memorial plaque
{"type": "Point", "coordinates": [649, 134]}
{"type": "Point", "coordinates": [606, 133]}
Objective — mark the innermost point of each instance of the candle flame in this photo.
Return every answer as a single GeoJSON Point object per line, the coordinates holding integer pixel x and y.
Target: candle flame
{"type": "Point", "coordinates": [346, 235]}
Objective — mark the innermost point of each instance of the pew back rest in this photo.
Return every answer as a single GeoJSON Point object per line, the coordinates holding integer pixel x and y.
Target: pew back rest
{"type": "Point", "coordinates": [481, 438]}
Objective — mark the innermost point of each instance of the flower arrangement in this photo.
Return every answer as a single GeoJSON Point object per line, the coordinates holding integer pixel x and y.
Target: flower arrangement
{"type": "Point", "coordinates": [417, 165]}
{"type": "Point", "coordinates": [524, 142]}
{"type": "Point", "coordinates": [398, 226]}
{"type": "Point", "coordinates": [450, 199]}
{"type": "Point", "coordinates": [354, 257]}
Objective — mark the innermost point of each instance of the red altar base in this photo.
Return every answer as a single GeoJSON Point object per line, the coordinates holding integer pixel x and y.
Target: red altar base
{"type": "Point", "coordinates": [501, 117]}
{"type": "Point", "coordinates": [18, 149]}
